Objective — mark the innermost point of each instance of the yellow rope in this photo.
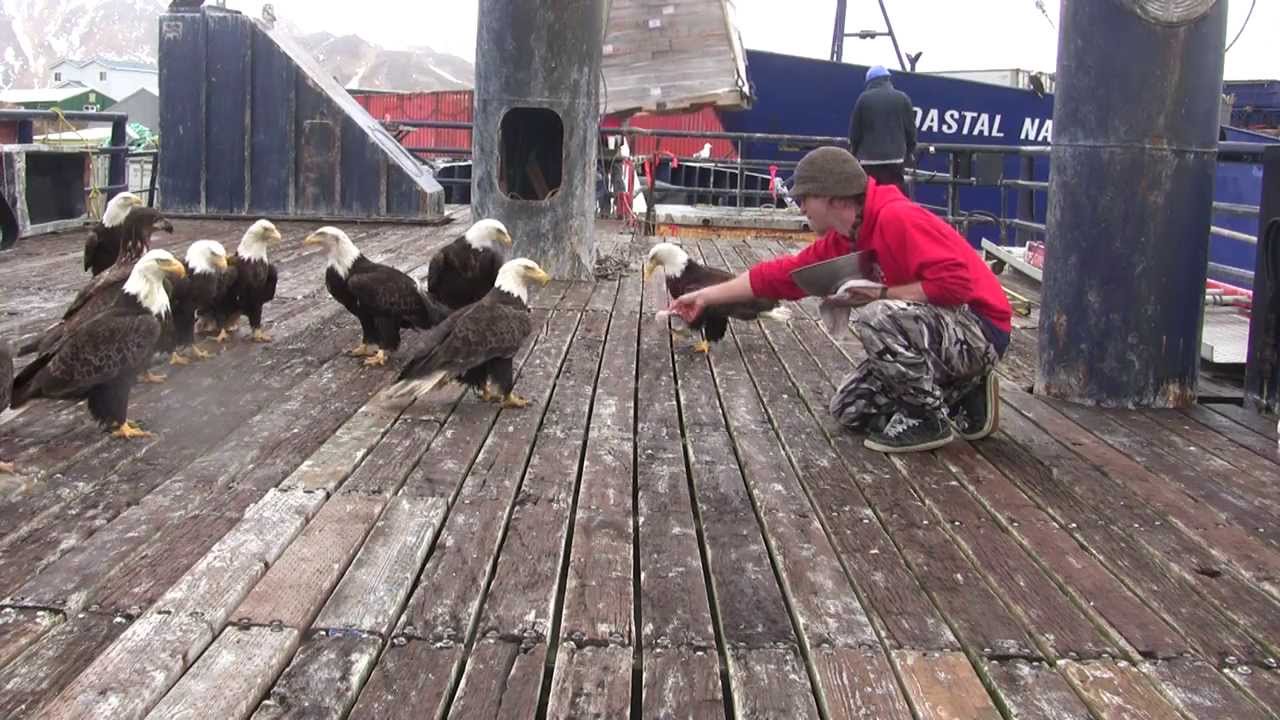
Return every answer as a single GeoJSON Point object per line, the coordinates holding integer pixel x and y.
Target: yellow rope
{"type": "Point", "coordinates": [95, 195]}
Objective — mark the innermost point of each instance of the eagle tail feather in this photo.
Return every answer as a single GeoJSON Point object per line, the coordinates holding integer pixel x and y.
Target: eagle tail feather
{"type": "Point", "coordinates": [417, 387]}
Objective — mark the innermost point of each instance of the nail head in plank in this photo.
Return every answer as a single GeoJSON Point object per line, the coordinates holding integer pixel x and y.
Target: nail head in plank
{"type": "Point", "coordinates": [231, 676]}
{"type": "Point", "coordinates": [323, 679]}
{"type": "Point", "coordinates": [378, 582]}
{"type": "Point", "coordinates": [943, 686]}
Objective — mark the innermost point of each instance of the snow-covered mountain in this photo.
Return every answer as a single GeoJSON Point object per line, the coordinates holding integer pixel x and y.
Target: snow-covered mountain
{"type": "Point", "coordinates": [35, 34]}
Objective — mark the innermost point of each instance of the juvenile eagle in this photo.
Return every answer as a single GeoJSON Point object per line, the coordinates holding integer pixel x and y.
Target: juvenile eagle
{"type": "Point", "coordinates": [684, 274]}
{"type": "Point", "coordinates": [464, 270]}
{"type": "Point", "coordinates": [102, 247]}
{"type": "Point", "coordinates": [477, 344]}
{"type": "Point", "coordinates": [381, 297]}
{"type": "Point", "coordinates": [206, 281]}
{"type": "Point", "coordinates": [105, 288]}
{"type": "Point", "coordinates": [99, 360]}
{"type": "Point", "coordinates": [6, 386]}
{"type": "Point", "coordinates": [253, 285]}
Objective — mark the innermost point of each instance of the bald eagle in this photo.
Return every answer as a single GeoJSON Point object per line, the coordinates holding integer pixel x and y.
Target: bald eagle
{"type": "Point", "coordinates": [103, 244]}
{"type": "Point", "coordinates": [464, 270]}
{"type": "Point", "coordinates": [105, 288]}
{"type": "Point", "coordinates": [381, 297]}
{"type": "Point", "coordinates": [253, 284]}
{"type": "Point", "coordinates": [684, 274]}
{"type": "Point", "coordinates": [477, 344]}
{"type": "Point", "coordinates": [6, 386]}
{"type": "Point", "coordinates": [99, 360]}
{"type": "Point", "coordinates": [205, 282]}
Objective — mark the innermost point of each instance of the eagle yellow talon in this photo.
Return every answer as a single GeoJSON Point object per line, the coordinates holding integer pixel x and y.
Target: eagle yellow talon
{"type": "Point", "coordinates": [513, 400]}
{"type": "Point", "coordinates": [129, 431]}
{"type": "Point", "coordinates": [7, 468]}
{"type": "Point", "coordinates": [376, 360]}
{"type": "Point", "coordinates": [361, 350]}
{"type": "Point", "coordinates": [488, 395]}
{"type": "Point", "coordinates": [151, 378]}
{"type": "Point", "coordinates": [260, 336]}
{"type": "Point", "coordinates": [702, 346]}
{"type": "Point", "coordinates": [223, 336]}
{"type": "Point", "coordinates": [200, 354]}
{"type": "Point", "coordinates": [177, 359]}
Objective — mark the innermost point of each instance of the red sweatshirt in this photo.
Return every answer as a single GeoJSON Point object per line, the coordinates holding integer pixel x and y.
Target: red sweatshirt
{"type": "Point", "coordinates": [909, 244]}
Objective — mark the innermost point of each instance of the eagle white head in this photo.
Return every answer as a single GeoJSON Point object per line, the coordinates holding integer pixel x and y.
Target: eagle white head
{"type": "Point", "coordinates": [260, 235]}
{"type": "Point", "coordinates": [515, 275]}
{"type": "Point", "coordinates": [488, 233]}
{"type": "Point", "coordinates": [146, 280]}
{"type": "Point", "coordinates": [206, 256]}
{"type": "Point", "coordinates": [118, 207]}
{"type": "Point", "coordinates": [337, 244]}
{"type": "Point", "coordinates": [668, 256]}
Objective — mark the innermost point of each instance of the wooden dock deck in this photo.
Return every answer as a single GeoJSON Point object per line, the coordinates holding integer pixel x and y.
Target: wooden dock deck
{"type": "Point", "coordinates": [659, 534]}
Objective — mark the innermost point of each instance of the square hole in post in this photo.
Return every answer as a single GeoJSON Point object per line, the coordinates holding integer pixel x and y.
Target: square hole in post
{"type": "Point", "coordinates": [530, 153]}
{"type": "Point", "coordinates": [55, 186]}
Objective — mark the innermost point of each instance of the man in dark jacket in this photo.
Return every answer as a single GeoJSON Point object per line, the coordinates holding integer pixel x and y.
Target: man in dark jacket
{"type": "Point", "coordinates": [882, 129]}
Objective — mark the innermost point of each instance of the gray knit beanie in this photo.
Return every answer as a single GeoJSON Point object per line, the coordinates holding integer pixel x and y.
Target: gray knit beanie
{"type": "Point", "coordinates": [829, 172]}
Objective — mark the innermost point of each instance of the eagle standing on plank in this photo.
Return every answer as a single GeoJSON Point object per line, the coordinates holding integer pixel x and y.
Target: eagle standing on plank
{"type": "Point", "coordinates": [100, 359]}
{"type": "Point", "coordinates": [478, 343]}
{"type": "Point", "coordinates": [6, 386]}
{"type": "Point", "coordinates": [381, 297]}
{"type": "Point", "coordinates": [686, 275]}
{"type": "Point", "coordinates": [254, 283]}
{"type": "Point", "coordinates": [464, 270]}
{"type": "Point", "coordinates": [105, 288]}
{"type": "Point", "coordinates": [206, 281]}
{"type": "Point", "coordinates": [102, 247]}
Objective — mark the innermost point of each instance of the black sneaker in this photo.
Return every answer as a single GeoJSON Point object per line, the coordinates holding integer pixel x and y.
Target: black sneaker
{"type": "Point", "coordinates": [977, 414]}
{"type": "Point", "coordinates": [912, 432]}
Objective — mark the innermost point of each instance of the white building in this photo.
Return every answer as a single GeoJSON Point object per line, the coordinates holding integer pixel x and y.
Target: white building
{"type": "Point", "coordinates": [116, 78]}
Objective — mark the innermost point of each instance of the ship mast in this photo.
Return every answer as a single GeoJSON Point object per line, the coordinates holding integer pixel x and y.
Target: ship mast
{"type": "Point", "coordinates": [839, 34]}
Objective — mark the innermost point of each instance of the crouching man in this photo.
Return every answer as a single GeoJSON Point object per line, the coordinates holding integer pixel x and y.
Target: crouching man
{"type": "Point", "coordinates": [933, 334]}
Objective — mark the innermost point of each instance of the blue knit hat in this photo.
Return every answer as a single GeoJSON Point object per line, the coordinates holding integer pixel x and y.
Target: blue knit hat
{"type": "Point", "coordinates": [876, 71]}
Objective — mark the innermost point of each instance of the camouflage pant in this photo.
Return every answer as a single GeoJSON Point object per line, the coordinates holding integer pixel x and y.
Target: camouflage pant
{"type": "Point", "coordinates": [921, 355]}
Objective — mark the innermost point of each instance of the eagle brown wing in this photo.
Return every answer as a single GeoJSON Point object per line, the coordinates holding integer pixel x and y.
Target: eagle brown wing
{"type": "Point", "coordinates": [493, 327]}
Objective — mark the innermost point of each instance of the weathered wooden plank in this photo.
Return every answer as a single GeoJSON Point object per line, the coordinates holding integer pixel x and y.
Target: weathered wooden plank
{"type": "Point", "coordinates": [1049, 615]}
{"type": "Point", "coordinates": [374, 589]}
{"type": "Point", "coordinates": [859, 683]}
{"type": "Point", "coordinates": [591, 682]}
{"type": "Point", "coordinates": [47, 666]}
{"type": "Point", "coordinates": [389, 462]}
{"type": "Point", "coordinates": [231, 676]}
{"type": "Point", "coordinates": [135, 671]}
{"type": "Point", "coordinates": [323, 679]}
{"type": "Point", "coordinates": [680, 662]}
{"type": "Point", "coordinates": [21, 627]}
{"type": "Point", "coordinates": [224, 576]}
{"type": "Point", "coordinates": [943, 686]}
{"type": "Point", "coordinates": [1163, 549]}
{"type": "Point", "coordinates": [1079, 572]}
{"type": "Point", "coordinates": [1153, 480]}
{"type": "Point", "coordinates": [1034, 691]}
{"type": "Point", "coordinates": [1117, 690]}
{"type": "Point", "coordinates": [503, 680]}
{"type": "Point", "coordinates": [443, 607]}
{"type": "Point", "coordinates": [182, 172]}
{"type": "Point", "coordinates": [1260, 446]}
{"type": "Point", "coordinates": [345, 450]}
{"type": "Point", "coordinates": [519, 606]}
{"type": "Point", "coordinates": [411, 675]}
{"type": "Point", "coordinates": [763, 652]}
{"type": "Point", "coordinates": [681, 682]}
{"type": "Point", "coordinates": [1201, 691]}
{"type": "Point", "coordinates": [272, 162]}
{"type": "Point", "coordinates": [1259, 465]}
{"type": "Point", "coordinates": [1263, 685]}
{"type": "Point", "coordinates": [1264, 425]}
{"type": "Point", "coordinates": [228, 40]}
{"type": "Point", "coordinates": [299, 582]}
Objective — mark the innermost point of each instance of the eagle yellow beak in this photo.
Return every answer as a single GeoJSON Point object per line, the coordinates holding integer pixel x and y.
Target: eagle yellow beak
{"type": "Point", "coordinates": [275, 236]}
{"type": "Point", "coordinates": [313, 239]}
{"type": "Point", "coordinates": [220, 261]}
{"type": "Point", "coordinates": [540, 275]}
{"type": "Point", "coordinates": [506, 238]}
{"type": "Point", "coordinates": [135, 201]}
{"type": "Point", "coordinates": [649, 267]}
{"type": "Point", "coordinates": [173, 267]}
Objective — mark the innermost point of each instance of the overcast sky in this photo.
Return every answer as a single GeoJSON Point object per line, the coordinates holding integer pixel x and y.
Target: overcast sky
{"type": "Point", "coordinates": [954, 34]}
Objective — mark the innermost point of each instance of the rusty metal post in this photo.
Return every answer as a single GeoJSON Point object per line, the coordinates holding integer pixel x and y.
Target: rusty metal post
{"type": "Point", "coordinates": [1135, 131]}
{"type": "Point", "coordinates": [535, 134]}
